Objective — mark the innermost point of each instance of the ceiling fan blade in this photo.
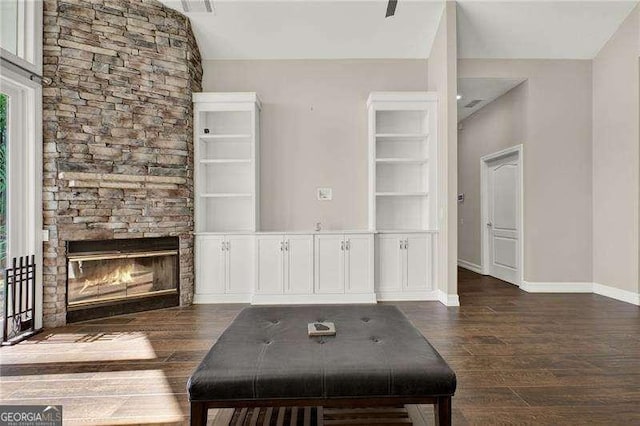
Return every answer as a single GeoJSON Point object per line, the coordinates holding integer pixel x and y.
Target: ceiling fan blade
{"type": "Point", "coordinates": [391, 8]}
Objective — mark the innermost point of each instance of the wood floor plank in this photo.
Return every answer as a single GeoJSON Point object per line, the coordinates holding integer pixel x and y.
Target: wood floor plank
{"type": "Point", "coordinates": [520, 358]}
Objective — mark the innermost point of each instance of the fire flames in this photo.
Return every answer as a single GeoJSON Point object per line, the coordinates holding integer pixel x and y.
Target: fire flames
{"type": "Point", "coordinates": [118, 275]}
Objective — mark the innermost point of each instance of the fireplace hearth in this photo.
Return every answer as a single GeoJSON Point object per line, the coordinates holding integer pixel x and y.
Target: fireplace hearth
{"type": "Point", "coordinates": [112, 277]}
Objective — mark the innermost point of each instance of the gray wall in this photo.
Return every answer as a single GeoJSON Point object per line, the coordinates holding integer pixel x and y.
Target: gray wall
{"type": "Point", "coordinates": [314, 132]}
{"type": "Point", "coordinates": [557, 163]}
{"type": "Point", "coordinates": [616, 136]}
{"type": "Point", "coordinates": [499, 125]}
{"type": "Point", "coordinates": [443, 80]}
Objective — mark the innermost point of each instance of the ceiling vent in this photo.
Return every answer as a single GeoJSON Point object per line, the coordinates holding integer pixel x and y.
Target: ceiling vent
{"type": "Point", "coordinates": [473, 103]}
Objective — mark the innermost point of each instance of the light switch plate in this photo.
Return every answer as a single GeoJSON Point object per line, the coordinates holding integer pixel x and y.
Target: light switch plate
{"type": "Point", "coordinates": [325, 194]}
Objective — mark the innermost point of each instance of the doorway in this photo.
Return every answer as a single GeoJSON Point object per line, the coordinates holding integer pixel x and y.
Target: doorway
{"type": "Point", "coordinates": [502, 210]}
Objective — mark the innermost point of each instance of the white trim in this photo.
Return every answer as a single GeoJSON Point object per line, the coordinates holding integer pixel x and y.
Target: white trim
{"type": "Point", "coordinates": [582, 287]}
{"type": "Point", "coordinates": [484, 242]}
{"type": "Point", "coordinates": [471, 266]}
{"type": "Point", "coordinates": [310, 299]}
{"type": "Point", "coordinates": [403, 296]}
{"type": "Point", "coordinates": [617, 294]}
{"type": "Point", "coordinates": [448, 299]}
{"type": "Point", "coordinates": [25, 126]}
{"type": "Point", "coordinates": [199, 299]}
{"type": "Point", "coordinates": [557, 287]}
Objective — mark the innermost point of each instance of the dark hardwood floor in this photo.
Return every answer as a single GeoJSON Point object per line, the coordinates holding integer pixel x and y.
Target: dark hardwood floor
{"type": "Point", "coordinates": [520, 358]}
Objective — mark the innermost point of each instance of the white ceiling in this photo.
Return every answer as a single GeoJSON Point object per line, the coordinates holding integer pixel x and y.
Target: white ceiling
{"type": "Point", "coordinates": [338, 29]}
{"type": "Point", "coordinates": [537, 29]}
{"type": "Point", "coordinates": [320, 29]}
{"type": "Point", "coordinates": [486, 90]}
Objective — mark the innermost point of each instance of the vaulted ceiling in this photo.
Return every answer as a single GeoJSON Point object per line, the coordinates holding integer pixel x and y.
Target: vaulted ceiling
{"type": "Point", "coordinates": [333, 29]}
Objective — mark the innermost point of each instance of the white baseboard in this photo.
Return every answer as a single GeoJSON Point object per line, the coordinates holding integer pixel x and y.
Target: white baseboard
{"type": "Point", "coordinates": [310, 299]}
{"type": "Point", "coordinates": [403, 296]}
{"type": "Point", "coordinates": [557, 287]}
{"type": "Point", "coordinates": [470, 266]}
{"type": "Point", "coordinates": [616, 293]}
{"type": "Point", "coordinates": [582, 287]}
{"type": "Point", "coordinates": [221, 298]}
{"type": "Point", "coordinates": [448, 299]}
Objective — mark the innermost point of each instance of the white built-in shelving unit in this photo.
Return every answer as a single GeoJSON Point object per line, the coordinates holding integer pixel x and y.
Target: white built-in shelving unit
{"type": "Point", "coordinates": [227, 146]}
{"type": "Point", "coordinates": [393, 259]}
{"type": "Point", "coordinates": [402, 152]}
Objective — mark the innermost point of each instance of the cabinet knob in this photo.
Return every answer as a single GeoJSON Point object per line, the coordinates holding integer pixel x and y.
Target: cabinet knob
{"type": "Point", "coordinates": [342, 245]}
{"type": "Point", "coordinates": [406, 244]}
{"type": "Point", "coordinates": [281, 245]}
{"type": "Point", "coordinates": [348, 245]}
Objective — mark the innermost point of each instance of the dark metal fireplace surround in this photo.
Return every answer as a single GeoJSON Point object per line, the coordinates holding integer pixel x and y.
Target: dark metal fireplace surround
{"type": "Point", "coordinates": [113, 277]}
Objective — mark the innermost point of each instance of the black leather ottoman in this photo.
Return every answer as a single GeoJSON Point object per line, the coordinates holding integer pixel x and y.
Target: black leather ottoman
{"type": "Point", "coordinates": [266, 358]}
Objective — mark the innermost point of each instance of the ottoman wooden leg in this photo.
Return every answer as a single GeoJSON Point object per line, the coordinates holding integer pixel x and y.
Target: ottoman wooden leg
{"type": "Point", "coordinates": [443, 411]}
{"type": "Point", "coordinates": [198, 413]}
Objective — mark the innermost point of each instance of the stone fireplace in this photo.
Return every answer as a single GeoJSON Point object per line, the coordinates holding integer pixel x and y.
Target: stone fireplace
{"type": "Point", "coordinates": [111, 277]}
{"type": "Point", "coordinates": [118, 146]}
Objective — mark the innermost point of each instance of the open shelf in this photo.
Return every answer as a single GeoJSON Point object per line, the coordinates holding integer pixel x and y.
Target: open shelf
{"type": "Point", "coordinates": [226, 132]}
{"type": "Point", "coordinates": [402, 179]}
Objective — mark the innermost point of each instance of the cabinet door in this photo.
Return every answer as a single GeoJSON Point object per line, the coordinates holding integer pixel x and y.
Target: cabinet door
{"type": "Point", "coordinates": [329, 264]}
{"type": "Point", "coordinates": [210, 265]}
{"type": "Point", "coordinates": [240, 264]}
{"type": "Point", "coordinates": [359, 264]}
{"type": "Point", "coordinates": [298, 266]}
{"type": "Point", "coordinates": [389, 273]}
{"type": "Point", "coordinates": [419, 260]}
{"type": "Point", "coordinates": [269, 264]}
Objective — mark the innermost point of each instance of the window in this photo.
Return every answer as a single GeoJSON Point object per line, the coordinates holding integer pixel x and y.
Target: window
{"type": "Point", "coordinates": [9, 11]}
{"type": "Point", "coordinates": [21, 137]}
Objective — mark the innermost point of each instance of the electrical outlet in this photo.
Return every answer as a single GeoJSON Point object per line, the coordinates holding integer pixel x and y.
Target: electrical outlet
{"type": "Point", "coordinates": [325, 194]}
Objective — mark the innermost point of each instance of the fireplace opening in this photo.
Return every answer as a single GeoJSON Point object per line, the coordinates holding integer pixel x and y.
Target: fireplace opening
{"type": "Point", "coordinates": [113, 277]}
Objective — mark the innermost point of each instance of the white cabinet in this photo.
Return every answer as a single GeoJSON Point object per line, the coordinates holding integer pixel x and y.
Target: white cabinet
{"type": "Point", "coordinates": [298, 264]}
{"type": "Point", "coordinates": [329, 263]}
{"type": "Point", "coordinates": [284, 264]}
{"type": "Point", "coordinates": [269, 264]}
{"type": "Point", "coordinates": [404, 267]}
{"type": "Point", "coordinates": [224, 268]}
{"type": "Point", "coordinates": [344, 263]}
{"type": "Point", "coordinates": [239, 268]}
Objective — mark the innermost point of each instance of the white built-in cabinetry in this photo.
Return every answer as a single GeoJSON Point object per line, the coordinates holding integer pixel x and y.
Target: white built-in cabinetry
{"type": "Point", "coordinates": [403, 192]}
{"type": "Point", "coordinates": [227, 158]}
{"type": "Point", "coordinates": [403, 268]}
{"type": "Point", "coordinates": [392, 260]}
{"type": "Point", "coordinates": [284, 264]}
{"type": "Point", "coordinates": [224, 271]}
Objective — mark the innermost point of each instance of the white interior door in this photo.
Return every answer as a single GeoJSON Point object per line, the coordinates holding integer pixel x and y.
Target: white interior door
{"type": "Point", "coordinates": [329, 263]}
{"type": "Point", "coordinates": [269, 264]}
{"type": "Point", "coordinates": [358, 264]}
{"type": "Point", "coordinates": [210, 265]}
{"type": "Point", "coordinates": [299, 264]}
{"type": "Point", "coordinates": [503, 194]}
{"type": "Point", "coordinates": [240, 277]}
